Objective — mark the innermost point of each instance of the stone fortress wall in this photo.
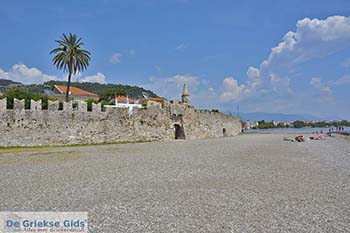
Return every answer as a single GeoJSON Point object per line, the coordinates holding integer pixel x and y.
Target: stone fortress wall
{"type": "Point", "coordinates": [37, 127]}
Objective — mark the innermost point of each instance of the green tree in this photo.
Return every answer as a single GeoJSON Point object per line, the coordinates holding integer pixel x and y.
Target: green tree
{"type": "Point", "coordinates": [298, 124]}
{"type": "Point", "coordinates": [281, 125]}
{"type": "Point", "coordinates": [69, 57]}
{"type": "Point", "coordinates": [20, 93]}
{"type": "Point", "coordinates": [109, 95]}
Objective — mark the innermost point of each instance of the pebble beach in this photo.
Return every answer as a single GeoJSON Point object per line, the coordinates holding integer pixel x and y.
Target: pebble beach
{"type": "Point", "coordinates": [247, 183]}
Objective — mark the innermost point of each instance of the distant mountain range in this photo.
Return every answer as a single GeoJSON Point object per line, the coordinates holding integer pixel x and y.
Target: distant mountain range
{"type": "Point", "coordinates": [258, 116]}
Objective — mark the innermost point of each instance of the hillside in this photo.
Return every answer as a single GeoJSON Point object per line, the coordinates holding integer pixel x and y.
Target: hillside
{"type": "Point", "coordinates": [7, 82]}
{"type": "Point", "coordinates": [98, 88]}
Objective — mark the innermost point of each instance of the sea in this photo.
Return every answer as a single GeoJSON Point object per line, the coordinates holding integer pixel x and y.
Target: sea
{"type": "Point", "coordinates": [293, 130]}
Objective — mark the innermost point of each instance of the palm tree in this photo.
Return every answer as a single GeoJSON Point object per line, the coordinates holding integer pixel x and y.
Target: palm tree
{"type": "Point", "coordinates": [70, 57]}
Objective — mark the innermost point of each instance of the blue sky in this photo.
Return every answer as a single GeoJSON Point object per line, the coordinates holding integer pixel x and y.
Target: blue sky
{"type": "Point", "coordinates": [270, 56]}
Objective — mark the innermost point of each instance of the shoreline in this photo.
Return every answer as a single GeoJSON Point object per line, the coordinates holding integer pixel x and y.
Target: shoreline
{"type": "Point", "coordinates": [296, 130]}
{"type": "Point", "coordinates": [5, 149]}
{"type": "Point", "coordinates": [258, 180]}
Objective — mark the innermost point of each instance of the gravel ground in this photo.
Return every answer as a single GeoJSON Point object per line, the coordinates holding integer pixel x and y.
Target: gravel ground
{"type": "Point", "coordinates": [248, 183]}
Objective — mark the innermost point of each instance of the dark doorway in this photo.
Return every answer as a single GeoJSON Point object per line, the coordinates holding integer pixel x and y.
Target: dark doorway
{"type": "Point", "coordinates": [224, 132]}
{"type": "Point", "coordinates": [179, 132]}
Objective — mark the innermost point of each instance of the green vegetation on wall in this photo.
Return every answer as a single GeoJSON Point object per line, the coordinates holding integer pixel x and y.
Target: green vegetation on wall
{"type": "Point", "coordinates": [21, 94]}
{"type": "Point", "coordinates": [89, 104]}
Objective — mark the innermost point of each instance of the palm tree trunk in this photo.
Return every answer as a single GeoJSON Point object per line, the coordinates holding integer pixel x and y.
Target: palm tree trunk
{"type": "Point", "coordinates": [68, 86]}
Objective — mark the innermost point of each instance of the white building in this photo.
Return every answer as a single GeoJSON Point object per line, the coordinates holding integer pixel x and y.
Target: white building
{"type": "Point", "coordinates": [125, 102]}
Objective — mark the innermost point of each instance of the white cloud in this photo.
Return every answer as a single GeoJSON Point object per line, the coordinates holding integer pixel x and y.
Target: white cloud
{"type": "Point", "coordinates": [317, 83]}
{"type": "Point", "coordinates": [98, 78]}
{"type": "Point", "coordinates": [324, 92]}
{"type": "Point", "coordinates": [272, 86]}
{"type": "Point", "coordinates": [181, 46]}
{"type": "Point", "coordinates": [313, 38]}
{"type": "Point", "coordinates": [344, 80]}
{"type": "Point", "coordinates": [253, 73]}
{"type": "Point", "coordinates": [22, 73]}
{"type": "Point", "coordinates": [231, 90]}
{"type": "Point", "coordinates": [115, 58]}
{"type": "Point", "coordinates": [171, 87]}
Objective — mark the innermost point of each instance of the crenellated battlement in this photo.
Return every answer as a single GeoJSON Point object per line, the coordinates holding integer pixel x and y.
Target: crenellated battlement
{"type": "Point", "coordinates": [19, 105]}
{"type": "Point", "coordinates": [74, 122]}
{"type": "Point", "coordinates": [175, 107]}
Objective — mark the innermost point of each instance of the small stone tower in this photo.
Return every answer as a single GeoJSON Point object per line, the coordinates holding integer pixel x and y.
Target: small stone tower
{"type": "Point", "coordinates": [185, 95]}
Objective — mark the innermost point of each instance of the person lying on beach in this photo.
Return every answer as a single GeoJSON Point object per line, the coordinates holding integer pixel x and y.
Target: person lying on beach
{"type": "Point", "coordinates": [299, 138]}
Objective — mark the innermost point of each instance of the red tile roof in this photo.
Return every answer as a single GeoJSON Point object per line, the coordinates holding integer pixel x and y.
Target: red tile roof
{"type": "Point", "coordinates": [73, 91]}
{"type": "Point", "coordinates": [157, 99]}
{"type": "Point", "coordinates": [122, 99]}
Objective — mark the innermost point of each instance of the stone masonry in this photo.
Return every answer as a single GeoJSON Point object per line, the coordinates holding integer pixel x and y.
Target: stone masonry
{"type": "Point", "coordinates": [37, 127]}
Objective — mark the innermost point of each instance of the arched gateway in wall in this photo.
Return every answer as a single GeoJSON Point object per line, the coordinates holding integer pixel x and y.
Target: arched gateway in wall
{"type": "Point", "coordinates": [224, 132]}
{"type": "Point", "coordinates": [179, 131]}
